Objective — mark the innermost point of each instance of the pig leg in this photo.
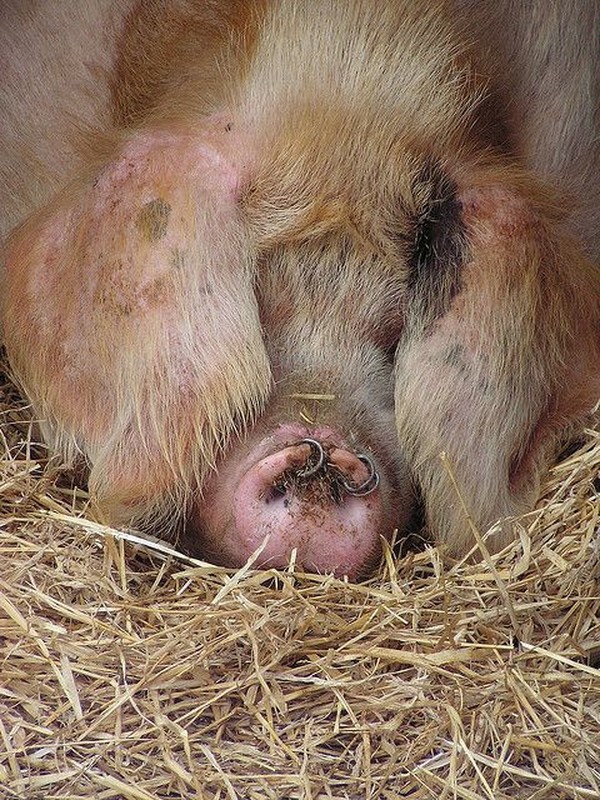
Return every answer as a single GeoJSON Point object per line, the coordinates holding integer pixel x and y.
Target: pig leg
{"type": "Point", "coordinates": [131, 321]}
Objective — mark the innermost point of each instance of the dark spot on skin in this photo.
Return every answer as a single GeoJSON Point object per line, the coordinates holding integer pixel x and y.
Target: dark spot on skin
{"type": "Point", "coordinates": [454, 356]}
{"type": "Point", "coordinates": [177, 260]}
{"type": "Point", "coordinates": [153, 219]}
{"type": "Point", "coordinates": [228, 127]}
{"type": "Point", "coordinates": [438, 247]}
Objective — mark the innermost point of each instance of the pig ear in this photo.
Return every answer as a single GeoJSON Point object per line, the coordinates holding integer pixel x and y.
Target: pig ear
{"type": "Point", "coordinates": [130, 319]}
{"type": "Point", "coordinates": [496, 379]}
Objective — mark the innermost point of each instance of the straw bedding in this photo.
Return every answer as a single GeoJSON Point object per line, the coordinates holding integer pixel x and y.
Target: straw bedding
{"type": "Point", "coordinates": [128, 671]}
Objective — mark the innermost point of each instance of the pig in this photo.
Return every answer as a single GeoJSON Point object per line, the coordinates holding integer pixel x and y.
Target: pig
{"type": "Point", "coordinates": [282, 273]}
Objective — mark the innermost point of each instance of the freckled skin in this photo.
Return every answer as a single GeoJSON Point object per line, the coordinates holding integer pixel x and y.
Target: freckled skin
{"type": "Point", "coordinates": [153, 219]}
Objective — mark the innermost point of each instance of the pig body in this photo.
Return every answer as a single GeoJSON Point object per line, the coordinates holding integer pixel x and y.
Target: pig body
{"type": "Point", "coordinates": [270, 260]}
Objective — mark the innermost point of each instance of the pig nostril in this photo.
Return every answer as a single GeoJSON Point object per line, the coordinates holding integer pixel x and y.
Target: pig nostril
{"type": "Point", "coordinates": [275, 494]}
{"type": "Point", "coordinates": [319, 475]}
{"type": "Point", "coordinates": [315, 461]}
{"type": "Point", "coordinates": [368, 485]}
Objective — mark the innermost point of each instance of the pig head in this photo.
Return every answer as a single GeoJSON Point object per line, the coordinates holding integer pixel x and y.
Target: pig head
{"type": "Point", "coordinates": [299, 261]}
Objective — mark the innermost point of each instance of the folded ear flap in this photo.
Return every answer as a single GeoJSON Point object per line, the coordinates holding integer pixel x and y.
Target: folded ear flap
{"type": "Point", "coordinates": [130, 319]}
{"type": "Point", "coordinates": [498, 379]}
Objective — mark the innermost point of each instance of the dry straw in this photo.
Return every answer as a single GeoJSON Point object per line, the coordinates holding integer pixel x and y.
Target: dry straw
{"type": "Point", "coordinates": [129, 671]}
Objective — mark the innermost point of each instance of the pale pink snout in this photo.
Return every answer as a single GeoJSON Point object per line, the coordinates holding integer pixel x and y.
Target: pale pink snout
{"type": "Point", "coordinates": [312, 500]}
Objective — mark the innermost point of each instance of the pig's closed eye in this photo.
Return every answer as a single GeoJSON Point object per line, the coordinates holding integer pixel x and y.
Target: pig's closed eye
{"type": "Point", "coordinates": [438, 246]}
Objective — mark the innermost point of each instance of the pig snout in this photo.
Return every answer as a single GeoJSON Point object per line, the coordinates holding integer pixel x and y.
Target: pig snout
{"type": "Point", "coordinates": [317, 503]}
{"type": "Point", "coordinates": [312, 497]}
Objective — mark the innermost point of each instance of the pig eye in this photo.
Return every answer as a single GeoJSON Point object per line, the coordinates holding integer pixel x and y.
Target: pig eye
{"type": "Point", "coordinates": [437, 247]}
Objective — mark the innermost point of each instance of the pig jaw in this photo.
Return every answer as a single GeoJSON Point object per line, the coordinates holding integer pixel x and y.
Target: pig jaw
{"type": "Point", "coordinates": [280, 501]}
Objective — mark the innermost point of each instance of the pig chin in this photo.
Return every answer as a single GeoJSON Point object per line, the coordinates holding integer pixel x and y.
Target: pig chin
{"type": "Point", "coordinates": [299, 494]}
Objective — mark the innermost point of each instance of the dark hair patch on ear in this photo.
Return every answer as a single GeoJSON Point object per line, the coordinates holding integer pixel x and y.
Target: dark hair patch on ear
{"type": "Point", "coordinates": [438, 247]}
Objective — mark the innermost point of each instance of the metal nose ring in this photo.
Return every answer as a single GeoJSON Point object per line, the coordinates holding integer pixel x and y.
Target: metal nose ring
{"type": "Point", "coordinates": [369, 484]}
{"type": "Point", "coordinates": [316, 448]}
